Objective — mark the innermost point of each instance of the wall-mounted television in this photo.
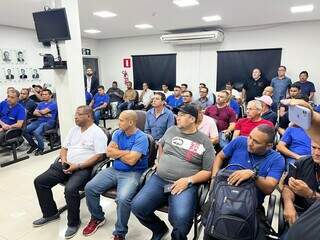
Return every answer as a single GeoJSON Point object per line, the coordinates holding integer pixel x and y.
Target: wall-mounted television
{"type": "Point", "coordinates": [52, 25]}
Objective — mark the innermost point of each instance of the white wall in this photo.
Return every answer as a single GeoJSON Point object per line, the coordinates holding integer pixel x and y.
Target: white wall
{"type": "Point", "coordinates": [18, 38]}
{"type": "Point", "coordinates": [198, 63]}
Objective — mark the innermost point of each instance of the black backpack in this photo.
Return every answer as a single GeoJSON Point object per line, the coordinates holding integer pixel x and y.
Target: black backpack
{"type": "Point", "coordinates": [231, 210]}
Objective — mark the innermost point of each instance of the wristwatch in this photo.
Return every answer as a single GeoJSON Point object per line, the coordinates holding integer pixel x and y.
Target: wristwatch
{"type": "Point", "coordinates": [255, 176]}
{"type": "Point", "coordinates": [190, 182]}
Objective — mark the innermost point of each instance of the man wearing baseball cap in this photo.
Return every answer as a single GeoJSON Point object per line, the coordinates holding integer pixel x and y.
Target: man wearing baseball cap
{"type": "Point", "coordinates": [267, 113]}
{"type": "Point", "coordinates": [185, 159]}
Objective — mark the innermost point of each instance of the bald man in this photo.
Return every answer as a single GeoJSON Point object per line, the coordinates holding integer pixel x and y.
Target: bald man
{"type": "Point", "coordinates": [129, 147]}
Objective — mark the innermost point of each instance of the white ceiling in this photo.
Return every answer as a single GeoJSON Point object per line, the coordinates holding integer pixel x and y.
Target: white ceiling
{"type": "Point", "coordinates": [163, 15]}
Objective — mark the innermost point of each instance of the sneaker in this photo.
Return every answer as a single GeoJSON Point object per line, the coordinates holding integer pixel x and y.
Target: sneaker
{"type": "Point", "coordinates": [118, 237]}
{"type": "Point", "coordinates": [92, 226]}
{"type": "Point", "coordinates": [31, 149]}
{"type": "Point", "coordinates": [161, 234]}
{"type": "Point", "coordinates": [42, 221]}
{"type": "Point", "coordinates": [72, 231]}
{"type": "Point", "coordinates": [38, 152]}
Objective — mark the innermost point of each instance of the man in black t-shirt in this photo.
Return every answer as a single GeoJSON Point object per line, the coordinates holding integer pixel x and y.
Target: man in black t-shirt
{"type": "Point", "coordinates": [254, 86]}
{"type": "Point", "coordinates": [302, 186]}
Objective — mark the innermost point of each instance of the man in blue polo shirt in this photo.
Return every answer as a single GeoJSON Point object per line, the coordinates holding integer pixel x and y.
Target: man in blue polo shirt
{"type": "Point", "coordinates": [129, 148]}
{"type": "Point", "coordinates": [46, 112]}
{"type": "Point", "coordinates": [175, 101]}
{"type": "Point", "coordinates": [99, 102]}
{"type": "Point", "coordinates": [12, 114]}
{"type": "Point", "coordinates": [260, 161]}
{"type": "Point", "coordinates": [158, 118]}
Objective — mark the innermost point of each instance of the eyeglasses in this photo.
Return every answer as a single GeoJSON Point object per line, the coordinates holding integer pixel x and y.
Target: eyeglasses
{"type": "Point", "coordinates": [203, 92]}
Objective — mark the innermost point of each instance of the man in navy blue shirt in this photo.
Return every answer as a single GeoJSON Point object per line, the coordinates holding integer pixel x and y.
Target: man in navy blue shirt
{"type": "Point", "coordinates": [99, 102]}
{"type": "Point", "coordinates": [129, 147]}
{"type": "Point", "coordinates": [12, 114]}
{"type": "Point", "coordinates": [158, 118]}
{"type": "Point", "coordinates": [46, 112]}
{"type": "Point", "coordinates": [175, 101]}
{"type": "Point", "coordinates": [262, 163]}
{"type": "Point", "coordinates": [27, 103]}
{"type": "Point", "coordinates": [307, 87]}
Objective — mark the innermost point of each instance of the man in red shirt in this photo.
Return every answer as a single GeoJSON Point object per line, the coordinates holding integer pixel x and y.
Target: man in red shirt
{"type": "Point", "coordinates": [245, 125]}
{"type": "Point", "coordinates": [223, 115]}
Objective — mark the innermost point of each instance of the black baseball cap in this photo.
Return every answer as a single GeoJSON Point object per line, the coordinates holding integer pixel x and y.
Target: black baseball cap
{"type": "Point", "coordinates": [189, 109]}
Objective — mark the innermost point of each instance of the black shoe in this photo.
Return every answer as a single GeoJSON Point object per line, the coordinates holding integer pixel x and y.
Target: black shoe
{"type": "Point", "coordinates": [72, 231]}
{"type": "Point", "coordinates": [42, 221]}
{"type": "Point", "coordinates": [31, 149]}
{"type": "Point", "coordinates": [38, 152]}
{"type": "Point", "coordinates": [161, 234]}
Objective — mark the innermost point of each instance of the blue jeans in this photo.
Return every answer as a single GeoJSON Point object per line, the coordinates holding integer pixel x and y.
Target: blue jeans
{"type": "Point", "coordinates": [97, 115]}
{"type": "Point", "coordinates": [181, 207]}
{"type": "Point", "coordinates": [223, 141]}
{"type": "Point", "coordinates": [36, 129]}
{"type": "Point", "coordinates": [127, 184]}
{"type": "Point", "coordinates": [125, 106]}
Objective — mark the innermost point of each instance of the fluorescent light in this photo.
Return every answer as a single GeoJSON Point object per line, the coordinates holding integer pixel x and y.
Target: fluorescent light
{"type": "Point", "coordinates": [92, 31]}
{"type": "Point", "coordinates": [302, 8]}
{"type": "Point", "coordinates": [212, 18]}
{"type": "Point", "coordinates": [105, 14]}
{"type": "Point", "coordinates": [143, 26]}
{"type": "Point", "coordinates": [186, 3]}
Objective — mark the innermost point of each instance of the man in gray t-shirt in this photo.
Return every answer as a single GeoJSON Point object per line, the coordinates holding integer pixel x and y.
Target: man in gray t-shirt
{"type": "Point", "coordinates": [185, 160]}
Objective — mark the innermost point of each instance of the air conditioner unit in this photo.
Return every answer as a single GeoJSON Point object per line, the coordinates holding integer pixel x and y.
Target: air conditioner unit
{"type": "Point", "coordinates": [193, 37]}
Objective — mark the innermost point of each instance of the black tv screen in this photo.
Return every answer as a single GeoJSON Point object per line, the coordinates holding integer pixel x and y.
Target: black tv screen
{"type": "Point", "coordinates": [52, 25]}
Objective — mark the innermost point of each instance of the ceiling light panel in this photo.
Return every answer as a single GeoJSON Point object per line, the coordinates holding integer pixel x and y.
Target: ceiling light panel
{"type": "Point", "coordinates": [143, 26]}
{"type": "Point", "coordinates": [105, 14]}
{"type": "Point", "coordinates": [92, 31]}
{"type": "Point", "coordinates": [212, 18]}
{"type": "Point", "coordinates": [185, 3]}
{"type": "Point", "coordinates": [302, 8]}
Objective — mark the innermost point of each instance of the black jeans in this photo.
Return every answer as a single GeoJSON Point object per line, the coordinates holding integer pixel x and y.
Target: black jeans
{"type": "Point", "coordinates": [73, 184]}
{"type": "Point", "coordinates": [262, 231]}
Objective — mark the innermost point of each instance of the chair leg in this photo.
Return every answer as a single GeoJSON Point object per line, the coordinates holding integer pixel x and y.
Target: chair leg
{"type": "Point", "coordinates": [15, 156]}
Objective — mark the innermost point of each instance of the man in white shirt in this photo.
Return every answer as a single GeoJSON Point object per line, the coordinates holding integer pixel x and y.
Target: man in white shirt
{"type": "Point", "coordinates": [146, 96]}
{"type": "Point", "coordinates": [83, 147]}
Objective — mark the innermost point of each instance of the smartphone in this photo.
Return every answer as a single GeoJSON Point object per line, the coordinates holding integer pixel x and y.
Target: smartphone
{"type": "Point", "coordinates": [300, 116]}
{"type": "Point", "coordinates": [167, 188]}
{"type": "Point", "coordinates": [292, 170]}
{"type": "Point", "coordinates": [65, 165]}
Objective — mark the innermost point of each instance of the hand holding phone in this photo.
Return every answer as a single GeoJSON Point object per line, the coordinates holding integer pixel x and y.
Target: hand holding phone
{"type": "Point", "coordinates": [300, 116]}
{"type": "Point", "coordinates": [65, 165]}
{"type": "Point", "coordinates": [293, 170]}
{"type": "Point", "coordinates": [167, 188]}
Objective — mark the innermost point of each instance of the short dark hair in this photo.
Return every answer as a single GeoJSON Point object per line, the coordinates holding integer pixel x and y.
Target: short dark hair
{"type": "Point", "coordinates": [203, 84]}
{"type": "Point", "coordinates": [26, 89]}
{"type": "Point", "coordinates": [283, 67]}
{"type": "Point", "coordinates": [188, 91]}
{"type": "Point", "coordinates": [163, 97]}
{"type": "Point", "coordinates": [295, 85]}
{"type": "Point", "coordinates": [269, 131]}
{"type": "Point", "coordinates": [47, 90]}
{"type": "Point", "coordinates": [101, 86]}
{"type": "Point", "coordinates": [115, 82]}
{"type": "Point", "coordinates": [185, 85]}
{"type": "Point", "coordinates": [206, 89]}
{"type": "Point", "coordinates": [229, 83]}
{"type": "Point", "coordinates": [16, 92]}
{"type": "Point", "coordinates": [177, 87]}
{"type": "Point", "coordinates": [20, 52]}
{"type": "Point", "coordinates": [304, 72]}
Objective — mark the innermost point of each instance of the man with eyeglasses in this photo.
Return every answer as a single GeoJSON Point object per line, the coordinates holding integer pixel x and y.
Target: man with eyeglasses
{"type": "Point", "coordinates": [203, 101]}
{"type": "Point", "coordinates": [12, 114]}
{"type": "Point", "coordinates": [280, 85]}
{"type": "Point", "coordinates": [83, 148]}
{"type": "Point", "coordinates": [244, 126]}
{"type": "Point", "coordinates": [185, 159]}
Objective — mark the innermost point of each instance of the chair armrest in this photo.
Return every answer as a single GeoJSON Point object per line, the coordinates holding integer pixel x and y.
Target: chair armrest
{"type": "Point", "coordinates": [106, 162]}
{"type": "Point", "coordinates": [13, 133]}
{"type": "Point", "coordinates": [271, 208]}
{"type": "Point", "coordinates": [203, 191]}
{"type": "Point", "coordinates": [145, 176]}
{"type": "Point", "coordinates": [281, 222]}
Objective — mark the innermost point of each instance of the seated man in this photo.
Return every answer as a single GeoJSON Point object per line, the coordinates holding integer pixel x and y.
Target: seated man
{"type": "Point", "coordinates": [187, 97]}
{"type": "Point", "coordinates": [88, 97]}
{"type": "Point", "coordinates": [129, 98]}
{"type": "Point", "coordinates": [185, 159]}
{"type": "Point", "coordinates": [175, 100]}
{"type": "Point", "coordinates": [27, 103]}
{"type": "Point", "coordinates": [234, 104]}
{"type": "Point", "coordinates": [224, 117]}
{"type": "Point", "coordinates": [294, 144]}
{"type": "Point", "coordinates": [203, 101]}
{"type": "Point", "coordinates": [36, 90]}
{"type": "Point", "coordinates": [166, 90]}
{"type": "Point", "coordinates": [82, 149]}
{"type": "Point", "coordinates": [301, 188]}
{"type": "Point", "coordinates": [267, 113]}
{"type": "Point", "coordinates": [46, 112]}
{"type": "Point", "coordinates": [245, 125]}
{"type": "Point", "coordinates": [145, 98]}
{"type": "Point", "coordinates": [12, 114]}
{"type": "Point", "coordinates": [99, 102]}
{"type": "Point", "coordinates": [116, 97]}
{"type": "Point", "coordinates": [262, 163]}
{"type": "Point", "coordinates": [159, 118]}
{"type": "Point", "coordinates": [129, 148]}
{"type": "Point", "coordinates": [207, 126]}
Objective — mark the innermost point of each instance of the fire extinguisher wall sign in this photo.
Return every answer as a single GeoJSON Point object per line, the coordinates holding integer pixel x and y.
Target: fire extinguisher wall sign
{"type": "Point", "coordinates": [127, 62]}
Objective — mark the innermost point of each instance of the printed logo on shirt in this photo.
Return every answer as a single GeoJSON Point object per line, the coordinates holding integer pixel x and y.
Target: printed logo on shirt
{"type": "Point", "coordinates": [191, 147]}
